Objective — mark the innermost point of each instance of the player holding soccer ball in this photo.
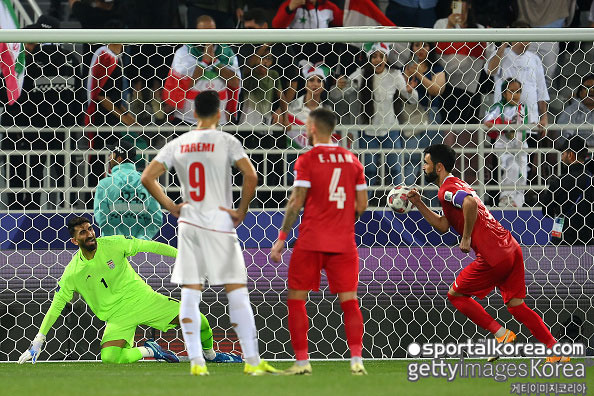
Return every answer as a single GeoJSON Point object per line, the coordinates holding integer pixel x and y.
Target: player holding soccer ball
{"type": "Point", "coordinates": [330, 182]}
{"type": "Point", "coordinates": [101, 273]}
{"type": "Point", "coordinates": [499, 261]}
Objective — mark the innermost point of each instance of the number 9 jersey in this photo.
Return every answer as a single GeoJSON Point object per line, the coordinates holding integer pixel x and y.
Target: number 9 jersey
{"type": "Point", "coordinates": [203, 160]}
{"type": "Point", "coordinates": [332, 175]}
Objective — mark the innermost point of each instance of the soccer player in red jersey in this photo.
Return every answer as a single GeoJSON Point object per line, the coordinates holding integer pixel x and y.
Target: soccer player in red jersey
{"type": "Point", "coordinates": [330, 182]}
{"type": "Point", "coordinates": [499, 261]}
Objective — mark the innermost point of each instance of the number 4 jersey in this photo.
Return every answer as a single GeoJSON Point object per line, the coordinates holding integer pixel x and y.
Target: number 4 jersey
{"type": "Point", "coordinates": [332, 175]}
{"type": "Point", "coordinates": [202, 160]}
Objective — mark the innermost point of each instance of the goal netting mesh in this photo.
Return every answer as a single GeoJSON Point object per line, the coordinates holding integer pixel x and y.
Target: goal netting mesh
{"type": "Point", "coordinates": [64, 104]}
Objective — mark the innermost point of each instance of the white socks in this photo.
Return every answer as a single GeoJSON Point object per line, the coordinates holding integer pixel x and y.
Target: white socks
{"type": "Point", "coordinates": [190, 300]}
{"type": "Point", "coordinates": [209, 354]}
{"type": "Point", "coordinates": [242, 316]}
{"type": "Point", "coordinates": [146, 352]}
{"type": "Point", "coordinates": [500, 332]}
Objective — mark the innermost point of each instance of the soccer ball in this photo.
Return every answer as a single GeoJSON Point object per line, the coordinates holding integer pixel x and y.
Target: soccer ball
{"type": "Point", "coordinates": [398, 200]}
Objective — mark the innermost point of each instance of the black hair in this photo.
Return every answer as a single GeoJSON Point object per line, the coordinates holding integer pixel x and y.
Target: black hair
{"type": "Point", "coordinates": [471, 20]}
{"type": "Point", "coordinates": [505, 84]}
{"type": "Point", "coordinates": [259, 15]}
{"type": "Point", "coordinates": [73, 222]}
{"type": "Point", "coordinates": [442, 153]}
{"type": "Point", "coordinates": [366, 91]}
{"type": "Point", "coordinates": [207, 104]}
{"type": "Point", "coordinates": [323, 117]}
{"type": "Point", "coordinates": [520, 24]}
{"type": "Point", "coordinates": [582, 85]}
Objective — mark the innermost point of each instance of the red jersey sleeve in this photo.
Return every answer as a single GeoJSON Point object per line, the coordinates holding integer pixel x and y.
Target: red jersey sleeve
{"type": "Point", "coordinates": [455, 193]}
{"type": "Point", "coordinates": [283, 19]}
{"type": "Point", "coordinates": [338, 15]}
{"type": "Point", "coordinates": [360, 183]}
{"type": "Point", "coordinates": [302, 174]}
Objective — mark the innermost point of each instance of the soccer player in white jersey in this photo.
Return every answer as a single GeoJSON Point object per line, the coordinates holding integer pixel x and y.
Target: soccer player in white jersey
{"type": "Point", "coordinates": [208, 248]}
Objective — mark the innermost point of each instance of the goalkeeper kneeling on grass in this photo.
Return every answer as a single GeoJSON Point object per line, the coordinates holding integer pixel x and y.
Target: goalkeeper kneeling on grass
{"type": "Point", "coordinates": [101, 273]}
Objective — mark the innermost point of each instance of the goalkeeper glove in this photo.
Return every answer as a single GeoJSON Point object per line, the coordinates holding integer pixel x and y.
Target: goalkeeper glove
{"type": "Point", "coordinates": [33, 352]}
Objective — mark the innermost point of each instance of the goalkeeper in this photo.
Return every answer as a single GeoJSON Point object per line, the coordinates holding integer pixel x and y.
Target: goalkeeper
{"type": "Point", "coordinates": [101, 273]}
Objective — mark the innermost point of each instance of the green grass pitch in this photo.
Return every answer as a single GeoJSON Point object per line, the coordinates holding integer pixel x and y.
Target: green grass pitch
{"type": "Point", "coordinates": [149, 378]}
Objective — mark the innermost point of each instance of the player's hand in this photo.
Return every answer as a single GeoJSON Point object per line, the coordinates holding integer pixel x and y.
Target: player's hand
{"type": "Point", "coordinates": [277, 250]}
{"type": "Point", "coordinates": [33, 352]}
{"type": "Point", "coordinates": [236, 215]}
{"type": "Point", "coordinates": [176, 209]}
{"type": "Point", "coordinates": [414, 197]}
{"type": "Point", "coordinates": [465, 244]}
{"type": "Point", "coordinates": [294, 4]}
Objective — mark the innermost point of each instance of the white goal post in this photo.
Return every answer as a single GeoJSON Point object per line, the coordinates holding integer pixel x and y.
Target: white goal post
{"type": "Point", "coordinates": [50, 170]}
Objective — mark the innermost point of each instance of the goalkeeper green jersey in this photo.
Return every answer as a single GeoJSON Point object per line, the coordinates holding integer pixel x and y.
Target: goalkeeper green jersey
{"type": "Point", "coordinates": [107, 282]}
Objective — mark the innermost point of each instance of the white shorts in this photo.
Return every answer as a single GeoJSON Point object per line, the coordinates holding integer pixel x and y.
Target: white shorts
{"type": "Point", "coordinates": [206, 255]}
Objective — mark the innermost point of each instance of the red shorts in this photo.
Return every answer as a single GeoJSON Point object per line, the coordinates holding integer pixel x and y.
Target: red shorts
{"type": "Point", "coordinates": [480, 277]}
{"type": "Point", "coordinates": [342, 270]}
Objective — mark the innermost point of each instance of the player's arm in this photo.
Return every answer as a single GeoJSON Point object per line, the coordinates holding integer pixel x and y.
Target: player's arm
{"type": "Point", "coordinates": [149, 180]}
{"type": "Point", "coordinates": [470, 210]}
{"type": "Point", "coordinates": [248, 190]}
{"type": "Point", "coordinates": [62, 296]}
{"type": "Point", "coordinates": [360, 203]}
{"type": "Point", "coordinates": [132, 246]}
{"type": "Point", "coordinates": [294, 206]}
{"type": "Point", "coordinates": [440, 223]}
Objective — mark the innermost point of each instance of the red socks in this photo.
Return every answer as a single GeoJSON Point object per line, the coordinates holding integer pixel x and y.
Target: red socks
{"type": "Point", "coordinates": [534, 322]}
{"type": "Point", "coordinates": [475, 312]}
{"type": "Point", "coordinates": [353, 326]}
{"type": "Point", "coordinates": [298, 326]}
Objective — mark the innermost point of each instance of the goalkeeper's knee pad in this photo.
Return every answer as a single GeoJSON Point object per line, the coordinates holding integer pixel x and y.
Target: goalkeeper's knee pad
{"type": "Point", "coordinates": [111, 354]}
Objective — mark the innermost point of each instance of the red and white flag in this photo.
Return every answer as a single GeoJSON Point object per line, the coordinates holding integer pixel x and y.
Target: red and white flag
{"type": "Point", "coordinates": [12, 55]}
{"type": "Point", "coordinates": [364, 13]}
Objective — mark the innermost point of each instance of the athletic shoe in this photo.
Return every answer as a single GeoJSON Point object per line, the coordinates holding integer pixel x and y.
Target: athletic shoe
{"type": "Point", "coordinates": [508, 337]}
{"type": "Point", "coordinates": [557, 359]}
{"type": "Point", "coordinates": [358, 369]}
{"type": "Point", "coordinates": [160, 353]}
{"type": "Point", "coordinates": [199, 370]}
{"type": "Point", "coordinates": [262, 369]}
{"type": "Point", "coordinates": [223, 357]}
{"type": "Point", "coordinates": [298, 370]}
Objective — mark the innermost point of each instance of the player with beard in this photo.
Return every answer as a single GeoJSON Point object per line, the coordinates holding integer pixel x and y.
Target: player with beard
{"type": "Point", "coordinates": [101, 273]}
{"type": "Point", "coordinates": [499, 261]}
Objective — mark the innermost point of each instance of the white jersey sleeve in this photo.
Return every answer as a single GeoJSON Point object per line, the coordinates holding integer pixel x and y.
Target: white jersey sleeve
{"type": "Point", "coordinates": [236, 151]}
{"type": "Point", "coordinates": [166, 155]}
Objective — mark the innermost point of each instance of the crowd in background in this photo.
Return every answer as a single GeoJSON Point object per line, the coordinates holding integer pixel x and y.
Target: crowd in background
{"type": "Point", "coordinates": [379, 86]}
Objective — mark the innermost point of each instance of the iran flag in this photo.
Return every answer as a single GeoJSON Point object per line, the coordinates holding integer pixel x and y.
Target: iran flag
{"type": "Point", "coordinates": [364, 13]}
{"type": "Point", "coordinates": [12, 55]}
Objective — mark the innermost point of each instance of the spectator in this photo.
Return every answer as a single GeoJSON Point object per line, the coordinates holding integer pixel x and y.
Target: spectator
{"type": "Point", "coordinates": [580, 110]}
{"type": "Point", "coordinates": [377, 87]}
{"type": "Point", "coordinates": [569, 198]}
{"type": "Point", "coordinates": [50, 97]}
{"type": "Point", "coordinates": [262, 89]}
{"type": "Point", "coordinates": [514, 166]}
{"type": "Point", "coordinates": [463, 63]}
{"type": "Point", "coordinates": [513, 61]}
{"type": "Point", "coordinates": [122, 204]}
{"type": "Point", "coordinates": [95, 14]}
{"type": "Point", "coordinates": [313, 98]}
{"type": "Point", "coordinates": [147, 65]}
{"type": "Point", "coordinates": [198, 68]}
{"type": "Point", "coordinates": [226, 13]}
{"type": "Point", "coordinates": [412, 13]}
{"type": "Point", "coordinates": [546, 14]}
{"type": "Point", "coordinates": [307, 14]}
{"type": "Point", "coordinates": [281, 55]}
{"type": "Point", "coordinates": [429, 79]}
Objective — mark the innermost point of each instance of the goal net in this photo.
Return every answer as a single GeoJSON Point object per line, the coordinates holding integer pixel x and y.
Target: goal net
{"type": "Point", "coordinates": [507, 111]}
